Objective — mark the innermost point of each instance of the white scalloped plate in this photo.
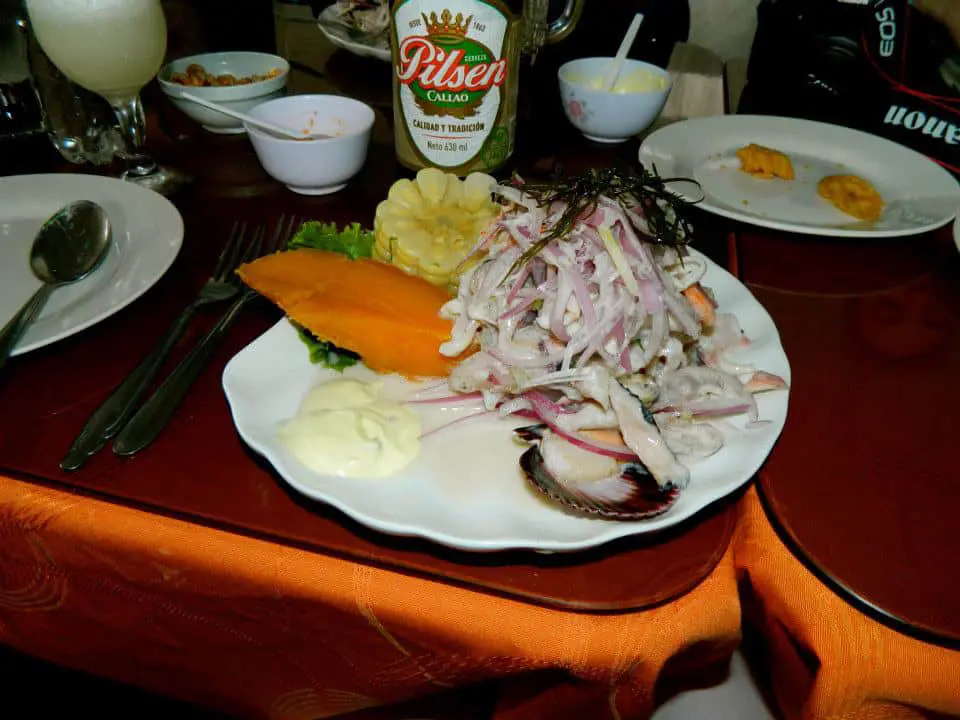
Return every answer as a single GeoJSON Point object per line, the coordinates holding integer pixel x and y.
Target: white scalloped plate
{"type": "Point", "coordinates": [465, 489]}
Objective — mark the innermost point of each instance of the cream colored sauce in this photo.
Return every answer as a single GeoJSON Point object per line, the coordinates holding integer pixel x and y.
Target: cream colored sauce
{"type": "Point", "coordinates": [345, 428]}
{"type": "Point", "coordinates": [637, 81]}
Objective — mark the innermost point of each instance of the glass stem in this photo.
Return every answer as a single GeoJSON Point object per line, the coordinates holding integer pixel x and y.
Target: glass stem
{"type": "Point", "coordinates": [133, 127]}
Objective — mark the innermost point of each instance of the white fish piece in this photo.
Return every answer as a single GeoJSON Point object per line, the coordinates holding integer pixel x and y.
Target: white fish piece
{"type": "Point", "coordinates": [591, 416]}
{"type": "Point", "coordinates": [643, 437]}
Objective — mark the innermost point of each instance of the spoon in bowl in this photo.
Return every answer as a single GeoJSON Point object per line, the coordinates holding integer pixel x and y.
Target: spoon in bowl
{"type": "Point", "coordinates": [68, 247]}
{"type": "Point", "coordinates": [617, 66]}
{"type": "Point", "coordinates": [262, 124]}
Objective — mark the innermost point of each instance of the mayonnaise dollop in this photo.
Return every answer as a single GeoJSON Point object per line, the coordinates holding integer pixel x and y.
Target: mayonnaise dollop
{"type": "Point", "coordinates": [343, 428]}
{"type": "Point", "coordinates": [637, 81]}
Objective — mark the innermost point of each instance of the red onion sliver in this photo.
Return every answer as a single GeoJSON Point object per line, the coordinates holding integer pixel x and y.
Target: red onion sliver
{"type": "Point", "coordinates": [455, 398]}
{"type": "Point", "coordinates": [454, 422]}
{"type": "Point", "coordinates": [617, 452]}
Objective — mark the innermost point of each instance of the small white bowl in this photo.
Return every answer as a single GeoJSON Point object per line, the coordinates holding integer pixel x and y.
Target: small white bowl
{"type": "Point", "coordinates": [611, 116]}
{"type": "Point", "coordinates": [313, 166]}
{"type": "Point", "coordinates": [235, 97]}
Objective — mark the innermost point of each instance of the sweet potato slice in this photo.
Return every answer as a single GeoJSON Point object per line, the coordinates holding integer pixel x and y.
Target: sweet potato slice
{"type": "Point", "coordinates": [391, 319]}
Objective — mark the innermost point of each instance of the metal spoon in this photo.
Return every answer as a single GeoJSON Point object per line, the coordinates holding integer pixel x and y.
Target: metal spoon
{"type": "Point", "coordinates": [67, 248]}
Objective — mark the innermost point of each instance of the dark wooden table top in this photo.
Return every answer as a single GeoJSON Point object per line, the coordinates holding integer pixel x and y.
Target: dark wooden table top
{"type": "Point", "coordinates": [201, 471]}
{"type": "Point", "coordinates": [864, 482]}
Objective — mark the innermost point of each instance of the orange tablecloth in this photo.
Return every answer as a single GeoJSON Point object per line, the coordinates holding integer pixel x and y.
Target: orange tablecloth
{"type": "Point", "coordinates": [259, 630]}
{"type": "Point", "coordinates": [827, 659]}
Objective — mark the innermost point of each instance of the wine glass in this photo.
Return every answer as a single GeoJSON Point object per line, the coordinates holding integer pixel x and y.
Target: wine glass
{"type": "Point", "coordinates": [112, 48]}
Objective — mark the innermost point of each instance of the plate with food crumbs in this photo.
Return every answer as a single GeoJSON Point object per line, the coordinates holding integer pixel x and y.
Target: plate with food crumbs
{"type": "Point", "coordinates": [357, 29]}
{"type": "Point", "coordinates": [804, 176]}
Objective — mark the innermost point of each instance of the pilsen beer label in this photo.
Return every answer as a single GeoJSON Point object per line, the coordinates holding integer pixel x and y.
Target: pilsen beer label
{"type": "Point", "coordinates": [452, 72]}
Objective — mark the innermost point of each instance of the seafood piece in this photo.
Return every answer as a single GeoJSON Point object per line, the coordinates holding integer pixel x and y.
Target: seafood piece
{"type": "Point", "coordinates": [762, 381]}
{"type": "Point", "coordinates": [481, 371]}
{"type": "Point", "coordinates": [686, 271]}
{"type": "Point", "coordinates": [589, 483]}
{"type": "Point", "coordinates": [690, 440]}
{"type": "Point", "coordinates": [587, 314]}
{"type": "Point", "coordinates": [704, 305]}
{"type": "Point", "coordinates": [589, 416]}
{"type": "Point", "coordinates": [766, 163]}
{"type": "Point", "coordinates": [705, 392]}
{"type": "Point", "coordinates": [594, 385]}
{"type": "Point", "coordinates": [853, 195]}
{"type": "Point", "coordinates": [643, 386]}
{"type": "Point", "coordinates": [640, 433]}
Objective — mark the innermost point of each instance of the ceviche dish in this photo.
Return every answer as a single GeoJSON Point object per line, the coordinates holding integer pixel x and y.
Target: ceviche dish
{"type": "Point", "coordinates": [576, 309]}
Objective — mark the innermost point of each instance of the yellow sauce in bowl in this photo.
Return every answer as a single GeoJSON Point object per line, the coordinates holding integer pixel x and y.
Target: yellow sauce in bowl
{"type": "Point", "coordinates": [630, 81]}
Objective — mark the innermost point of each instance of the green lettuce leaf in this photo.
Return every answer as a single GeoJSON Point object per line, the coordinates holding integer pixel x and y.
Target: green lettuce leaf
{"type": "Point", "coordinates": [354, 242]}
{"type": "Point", "coordinates": [326, 353]}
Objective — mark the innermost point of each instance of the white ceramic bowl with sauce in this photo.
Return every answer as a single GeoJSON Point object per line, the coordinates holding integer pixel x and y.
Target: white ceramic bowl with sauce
{"type": "Point", "coordinates": [313, 166]}
{"type": "Point", "coordinates": [612, 116]}
{"type": "Point", "coordinates": [235, 97]}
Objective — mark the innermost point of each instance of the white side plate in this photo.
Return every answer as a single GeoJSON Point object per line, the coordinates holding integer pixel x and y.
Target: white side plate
{"type": "Point", "coordinates": [919, 194]}
{"type": "Point", "coordinates": [147, 233]}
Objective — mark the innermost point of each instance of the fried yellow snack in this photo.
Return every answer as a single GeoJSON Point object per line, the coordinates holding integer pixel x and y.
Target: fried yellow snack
{"type": "Point", "coordinates": [853, 195]}
{"type": "Point", "coordinates": [764, 162]}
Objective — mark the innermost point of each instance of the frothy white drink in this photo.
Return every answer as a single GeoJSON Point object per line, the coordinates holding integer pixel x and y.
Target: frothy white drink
{"type": "Point", "coordinates": [111, 47]}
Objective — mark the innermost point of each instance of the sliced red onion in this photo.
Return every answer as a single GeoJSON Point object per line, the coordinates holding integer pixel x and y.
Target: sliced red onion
{"type": "Point", "coordinates": [625, 362]}
{"type": "Point", "coordinates": [650, 292]}
{"type": "Point", "coordinates": [515, 406]}
{"type": "Point", "coordinates": [518, 283]}
{"type": "Point", "coordinates": [620, 234]}
{"type": "Point", "coordinates": [685, 388]}
{"type": "Point", "coordinates": [617, 452]}
{"type": "Point", "coordinates": [519, 231]}
{"type": "Point", "coordinates": [582, 293]}
{"type": "Point", "coordinates": [541, 403]}
{"type": "Point", "coordinates": [564, 290]}
{"type": "Point", "coordinates": [680, 308]}
{"type": "Point", "coordinates": [447, 399]}
{"type": "Point", "coordinates": [659, 328]}
{"type": "Point", "coordinates": [706, 408]}
{"type": "Point", "coordinates": [450, 424]}
{"type": "Point", "coordinates": [520, 308]}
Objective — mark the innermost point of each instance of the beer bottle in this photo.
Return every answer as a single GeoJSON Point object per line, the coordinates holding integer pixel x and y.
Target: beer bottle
{"type": "Point", "coordinates": [456, 79]}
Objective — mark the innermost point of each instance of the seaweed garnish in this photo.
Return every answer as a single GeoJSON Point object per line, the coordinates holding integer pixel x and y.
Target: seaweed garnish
{"type": "Point", "coordinates": [642, 193]}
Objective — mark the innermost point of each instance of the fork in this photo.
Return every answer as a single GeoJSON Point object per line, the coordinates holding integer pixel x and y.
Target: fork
{"type": "Point", "coordinates": [150, 420]}
{"type": "Point", "coordinates": [113, 414]}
